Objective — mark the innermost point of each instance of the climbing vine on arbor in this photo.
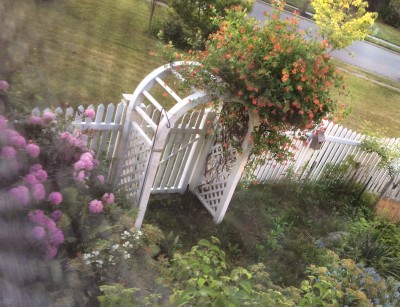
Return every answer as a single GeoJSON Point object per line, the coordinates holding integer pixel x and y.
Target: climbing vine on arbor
{"type": "Point", "coordinates": [284, 79]}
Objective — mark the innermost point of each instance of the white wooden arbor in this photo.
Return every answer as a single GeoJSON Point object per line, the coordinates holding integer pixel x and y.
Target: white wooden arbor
{"type": "Point", "coordinates": [161, 151]}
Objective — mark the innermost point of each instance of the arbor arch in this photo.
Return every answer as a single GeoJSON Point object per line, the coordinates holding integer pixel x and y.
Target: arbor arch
{"type": "Point", "coordinates": [163, 151]}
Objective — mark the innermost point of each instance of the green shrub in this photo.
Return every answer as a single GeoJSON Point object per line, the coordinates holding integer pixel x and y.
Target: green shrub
{"type": "Point", "coordinates": [343, 282]}
{"type": "Point", "coordinates": [172, 30]}
{"type": "Point", "coordinates": [389, 15]}
{"type": "Point", "coordinates": [201, 277]}
{"type": "Point", "coordinates": [376, 244]}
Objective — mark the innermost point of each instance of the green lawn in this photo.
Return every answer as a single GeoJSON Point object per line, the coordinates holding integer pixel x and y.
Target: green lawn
{"type": "Point", "coordinates": [387, 33]}
{"type": "Point", "coordinates": [80, 52]}
{"type": "Point", "coordinates": [374, 103]}
{"type": "Point", "coordinates": [92, 51]}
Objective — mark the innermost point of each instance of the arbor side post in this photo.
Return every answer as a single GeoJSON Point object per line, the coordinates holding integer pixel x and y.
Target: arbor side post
{"type": "Point", "coordinates": [236, 174]}
{"type": "Point", "coordinates": [152, 167]}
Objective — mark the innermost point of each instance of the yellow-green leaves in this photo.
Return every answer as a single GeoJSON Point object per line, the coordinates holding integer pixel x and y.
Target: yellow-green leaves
{"type": "Point", "coordinates": [342, 22]}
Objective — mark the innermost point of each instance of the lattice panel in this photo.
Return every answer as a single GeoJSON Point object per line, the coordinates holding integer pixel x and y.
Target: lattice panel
{"type": "Point", "coordinates": [135, 165]}
{"type": "Point", "coordinates": [214, 183]}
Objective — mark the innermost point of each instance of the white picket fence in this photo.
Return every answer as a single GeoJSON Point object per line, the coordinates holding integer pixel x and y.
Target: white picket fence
{"type": "Point", "coordinates": [307, 164]}
{"type": "Point", "coordinates": [103, 131]}
{"type": "Point", "coordinates": [340, 143]}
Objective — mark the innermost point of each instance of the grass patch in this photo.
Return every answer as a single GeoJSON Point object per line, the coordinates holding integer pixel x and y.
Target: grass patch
{"type": "Point", "coordinates": [387, 33]}
{"type": "Point", "coordinates": [373, 103]}
{"type": "Point", "coordinates": [82, 52]}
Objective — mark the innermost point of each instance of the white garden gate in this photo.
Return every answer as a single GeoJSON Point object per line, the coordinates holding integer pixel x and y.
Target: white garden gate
{"type": "Point", "coordinates": [161, 151]}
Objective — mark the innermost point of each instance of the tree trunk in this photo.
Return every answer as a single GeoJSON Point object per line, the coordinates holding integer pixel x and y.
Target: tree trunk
{"type": "Point", "coordinates": [304, 8]}
{"type": "Point", "coordinates": [153, 4]}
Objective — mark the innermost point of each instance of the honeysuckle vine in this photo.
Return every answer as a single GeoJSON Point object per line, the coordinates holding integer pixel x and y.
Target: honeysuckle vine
{"type": "Point", "coordinates": [276, 72]}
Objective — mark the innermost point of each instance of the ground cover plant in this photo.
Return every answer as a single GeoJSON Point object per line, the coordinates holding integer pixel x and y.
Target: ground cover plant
{"type": "Point", "coordinates": [287, 228]}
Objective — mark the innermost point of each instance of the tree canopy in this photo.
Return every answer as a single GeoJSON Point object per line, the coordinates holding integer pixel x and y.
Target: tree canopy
{"type": "Point", "coordinates": [341, 22]}
{"type": "Point", "coordinates": [196, 14]}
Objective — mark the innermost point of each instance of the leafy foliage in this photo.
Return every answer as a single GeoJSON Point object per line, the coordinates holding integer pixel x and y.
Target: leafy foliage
{"type": "Point", "coordinates": [341, 22]}
{"type": "Point", "coordinates": [276, 74]}
{"type": "Point", "coordinates": [390, 155]}
{"type": "Point", "coordinates": [343, 282]}
{"type": "Point", "coordinates": [201, 277]}
{"type": "Point", "coordinates": [376, 244]}
{"type": "Point", "coordinates": [196, 18]}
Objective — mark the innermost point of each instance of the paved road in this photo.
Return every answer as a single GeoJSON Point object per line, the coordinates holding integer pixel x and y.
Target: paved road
{"type": "Point", "coordinates": [368, 56]}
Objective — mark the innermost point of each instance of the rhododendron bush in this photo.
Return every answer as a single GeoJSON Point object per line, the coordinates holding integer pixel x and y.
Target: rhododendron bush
{"type": "Point", "coordinates": [277, 74]}
{"type": "Point", "coordinates": [44, 173]}
{"type": "Point", "coordinates": [54, 202]}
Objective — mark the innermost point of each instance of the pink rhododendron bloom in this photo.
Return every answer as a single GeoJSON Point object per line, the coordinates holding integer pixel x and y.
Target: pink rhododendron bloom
{"type": "Point", "coordinates": [79, 165]}
{"type": "Point", "coordinates": [37, 216]}
{"type": "Point", "coordinates": [96, 163]}
{"type": "Point", "coordinates": [66, 136]}
{"type": "Point", "coordinates": [49, 116]}
{"type": "Point", "coordinates": [18, 141]}
{"type": "Point", "coordinates": [38, 192]}
{"type": "Point", "coordinates": [108, 198]}
{"type": "Point", "coordinates": [4, 86]}
{"type": "Point", "coordinates": [89, 113]}
{"type": "Point", "coordinates": [51, 236]}
{"type": "Point", "coordinates": [88, 165]}
{"type": "Point", "coordinates": [51, 251]}
{"type": "Point", "coordinates": [87, 156]}
{"type": "Point", "coordinates": [56, 215]}
{"type": "Point", "coordinates": [10, 133]}
{"type": "Point", "coordinates": [41, 175]}
{"type": "Point", "coordinates": [38, 232]}
{"type": "Point", "coordinates": [57, 237]}
{"type": "Point", "coordinates": [3, 122]}
{"type": "Point", "coordinates": [95, 206]}
{"type": "Point", "coordinates": [55, 198]}
{"type": "Point", "coordinates": [33, 150]}
{"type": "Point", "coordinates": [101, 179]}
{"type": "Point", "coordinates": [30, 180]}
{"type": "Point", "coordinates": [8, 152]}
{"type": "Point", "coordinates": [79, 176]}
{"type": "Point", "coordinates": [35, 167]}
{"type": "Point", "coordinates": [20, 195]}
{"type": "Point", "coordinates": [35, 120]}
{"type": "Point", "coordinates": [77, 143]}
